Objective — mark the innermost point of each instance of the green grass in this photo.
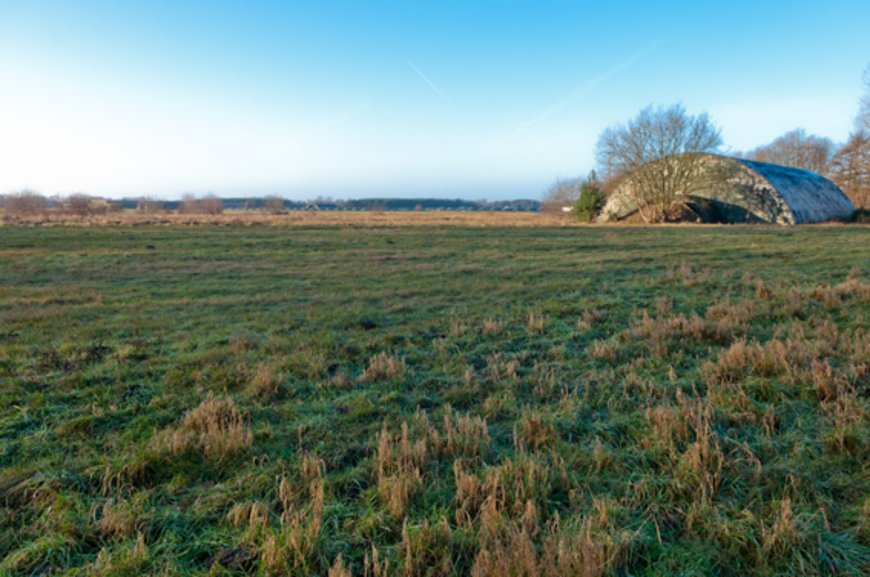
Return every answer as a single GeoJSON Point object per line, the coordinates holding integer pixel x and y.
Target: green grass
{"type": "Point", "coordinates": [588, 401]}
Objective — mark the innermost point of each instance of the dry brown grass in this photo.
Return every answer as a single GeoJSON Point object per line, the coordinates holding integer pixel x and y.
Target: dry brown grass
{"type": "Point", "coordinates": [463, 435]}
{"type": "Point", "coordinates": [338, 569]}
{"type": "Point", "coordinates": [492, 327]}
{"type": "Point", "coordinates": [116, 517]}
{"type": "Point", "coordinates": [604, 350]}
{"type": "Point", "coordinates": [251, 514]}
{"type": "Point", "coordinates": [288, 548]}
{"type": "Point", "coordinates": [265, 383]}
{"type": "Point", "coordinates": [777, 538]}
{"type": "Point", "coordinates": [216, 427]}
{"type": "Point", "coordinates": [384, 366]}
{"type": "Point", "coordinates": [588, 550]}
{"type": "Point", "coordinates": [398, 468]}
{"type": "Point", "coordinates": [296, 218]}
{"type": "Point", "coordinates": [535, 430]}
{"type": "Point", "coordinates": [426, 549]}
{"type": "Point", "coordinates": [536, 322]}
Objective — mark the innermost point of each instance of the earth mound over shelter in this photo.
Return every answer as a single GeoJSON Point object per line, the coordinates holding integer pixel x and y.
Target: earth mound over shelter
{"type": "Point", "coordinates": [734, 190]}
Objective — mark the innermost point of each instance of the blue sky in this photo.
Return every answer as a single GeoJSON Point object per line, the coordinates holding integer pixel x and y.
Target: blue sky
{"type": "Point", "coordinates": [349, 99]}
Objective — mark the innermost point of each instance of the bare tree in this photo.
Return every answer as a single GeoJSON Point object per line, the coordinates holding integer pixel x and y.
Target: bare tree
{"type": "Point", "coordinates": [149, 205]}
{"type": "Point", "coordinates": [798, 150]}
{"type": "Point", "coordinates": [659, 157]}
{"type": "Point", "coordinates": [561, 194]}
{"type": "Point", "coordinates": [273, 204]}
{"type": "Point", "coordinates": [209, 204]}
{"type": "Point", "coordinates": [851, 169]}
{"type": "Point", "coordinates": [79, 204]}
{"type": "Point", "coordinates": [23, 203]}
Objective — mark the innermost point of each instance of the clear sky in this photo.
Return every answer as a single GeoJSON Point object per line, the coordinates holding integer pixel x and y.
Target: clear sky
{"type": "Point", "coordinates": [472, 99]}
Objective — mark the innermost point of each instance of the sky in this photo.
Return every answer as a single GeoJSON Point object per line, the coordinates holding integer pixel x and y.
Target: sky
{"type": "Point", "coordinates": [468, 99]}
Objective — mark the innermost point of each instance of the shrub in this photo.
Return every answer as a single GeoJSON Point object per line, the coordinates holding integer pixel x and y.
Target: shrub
{"type": "Point", "coordinates": [861, 216]}
{"type": "Point", "coordinates": [273, 204]}
{"type": "Point", "coordinates": [209, 204]}
{"type": "Point", "coordinates": [149, 205]}
{"type": "Point", "coordinates": [23, 203]}
{"type": "Point", "coordinates": [591, 199]}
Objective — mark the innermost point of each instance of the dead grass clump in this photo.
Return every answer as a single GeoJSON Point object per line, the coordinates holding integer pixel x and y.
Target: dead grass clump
{"type": "Point", "coordinates": [667, 423]}
{"type": "Point", "coordinates": [463, 435]}
{"type": "Point", "coordinates": [240, 342]}
{"type": "Point", "coordinates": [536, 323]}
{"type": "Point", "coordinates": [399, 463]}
{"type": "Point", "coordinates": [700, 466]}
{"type": "Point", "coordinates": [216, 427]}
{"type": "Point", "coordinates": [384, 366]}
{"type": "Point", "coordinates": [738, 361]}
{"type": "Point", "coordinates": [492, 327]}
{"type": "Point", "coordinates": [823, 380]}
{"type": "Point", "coordinates": [726, 320]}
{"type": "Point", "coordinates": [762, 293]}
{"type": "Point", "coordinates": [604, 350]}
{"type": "Point", "coordinates": [128, 559]}
{"type": "Point", "coordinates": [535, 430]}
{"type": "Point", "coordinates": [850, 289]}
{"type": "Point", "coordinates": [848, 412]}
{"type": "Point", "coordinates": [507, 491]}
{"type": "Point", "coordinates": [458, 327]}
{"type": "Point", "coordinates": [253, 514]}
{"type": "Point", "coordinates": [501, 370]}
{"type": "Point", "coordinates": [525, 549]}
{"type": "Point", "coordinates": [470, 494]}
{"type": "Point", "coordinates": [781, 535]}
{"type": "Point", "coordinates": [661, 333]}
{"type": "Point", "coordinates": [426, 549]}
{"type": "Point", "coordinates": [290, 547]}
{"type": "Point", "coordinates": [338, 569]}
{"type": "Point", "coordinates": [372, 566]}
{"type": "Point", "coordinates": [265, 383]}
{"type": "Point", "coordinates": [116, 517]}
{"type": "Point", "coordinates": [688, 274]}
{"type": "Point", "coordinates": [517, 481]}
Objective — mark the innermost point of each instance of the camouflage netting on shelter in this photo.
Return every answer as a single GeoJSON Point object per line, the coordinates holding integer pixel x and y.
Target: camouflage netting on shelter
{"type": "Point", "coordinates": [736, 190]}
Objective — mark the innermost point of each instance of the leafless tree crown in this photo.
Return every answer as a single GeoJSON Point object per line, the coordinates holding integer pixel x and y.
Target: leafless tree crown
{"type": "Point", "coordinates": [660, 158]}
{"type": "Point", "coordinates": [561, 193]}
{"type": "Point", "coordinates": [798, 150]}
{"type": "Point", "coordinates": [851, 169]}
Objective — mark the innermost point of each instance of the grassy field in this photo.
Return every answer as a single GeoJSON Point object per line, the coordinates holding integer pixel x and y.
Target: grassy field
{"type": "Point", "coordinates": [434, 401]}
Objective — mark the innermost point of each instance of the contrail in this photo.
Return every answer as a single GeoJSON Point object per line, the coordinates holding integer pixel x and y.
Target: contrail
{"type": "Point", "coordinates": [342, 117]}
{"type": "Point", "coordinates": [581, 90]}
{"type": "Point", "coordinates": [430, 83]}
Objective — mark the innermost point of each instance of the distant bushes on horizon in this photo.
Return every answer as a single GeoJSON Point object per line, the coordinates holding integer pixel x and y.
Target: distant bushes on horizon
{"type": "Point", "coordinates": [30, 203]}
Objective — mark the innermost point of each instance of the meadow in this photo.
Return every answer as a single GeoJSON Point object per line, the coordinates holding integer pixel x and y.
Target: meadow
{"type": "Point", "coordinates": [434, 401]}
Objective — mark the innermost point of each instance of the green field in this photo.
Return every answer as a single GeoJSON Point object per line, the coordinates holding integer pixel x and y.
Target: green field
{"type": "Point", "coordinates": [434, 401]}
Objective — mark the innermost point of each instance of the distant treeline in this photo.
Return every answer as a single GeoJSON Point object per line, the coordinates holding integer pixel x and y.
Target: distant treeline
{"type": "Point", "coordinates": [374, 204]}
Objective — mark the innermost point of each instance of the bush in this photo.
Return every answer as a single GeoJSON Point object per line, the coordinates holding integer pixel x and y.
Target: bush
{"type": "Point", "coordinates": [273, 204]}
{"type": "Point", "coordinates": [209, 204]}
{"type": "Point", "coordinates": [591, 199]}
{"type": "Point", "coordinates": [861, 216]}
{"type": "Point", "coordinates": [149, 205]}
{"type": "Point", "coordinates": [80, 204]}
{"type": "Point", "coordinates": [25, 202]}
